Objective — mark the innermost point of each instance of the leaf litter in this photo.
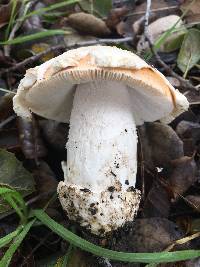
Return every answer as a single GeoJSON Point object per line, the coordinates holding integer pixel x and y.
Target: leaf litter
{"type": "Point", "coordinates": [168, 166]}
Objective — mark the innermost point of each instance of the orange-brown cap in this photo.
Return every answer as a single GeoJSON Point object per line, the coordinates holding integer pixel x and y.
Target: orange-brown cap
{"type": "Point", "coordinates": [48, 89]}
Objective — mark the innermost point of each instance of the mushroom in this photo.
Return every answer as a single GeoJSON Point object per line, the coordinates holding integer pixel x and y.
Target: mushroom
{"type": "Point", "coordinates": [104, 92]}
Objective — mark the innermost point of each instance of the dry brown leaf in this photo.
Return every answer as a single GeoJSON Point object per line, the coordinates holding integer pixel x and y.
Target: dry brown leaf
{"type": "Point", "coordinates": [183, 175]}
{"type": "Point", "coordinates": [148, 235]}
{"type": "Point", "coordinates": [157, 203]}
{"type": "Point", "coordinates": [115, 17]}
{"type": "Point", "coordinates": [189, 132]}
{"type": "Point", "coordinates": [88, 24]}
{"type": "Point", "coordinates": [30, 139]}
{"type": "Point", "coordinates": [193, 15]}
{"type": "Point", "coordinates": [55, 133]}
{"type": "Point", "coordinates": [160, 144]}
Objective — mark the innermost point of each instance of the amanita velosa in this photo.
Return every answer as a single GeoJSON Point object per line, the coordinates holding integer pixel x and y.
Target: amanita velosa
{"type": "Point", "coordinates": [104, 92]}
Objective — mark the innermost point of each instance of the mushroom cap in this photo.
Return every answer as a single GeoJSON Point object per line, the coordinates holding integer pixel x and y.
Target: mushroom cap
{"type": "Point", "coordinates": [48, 89]}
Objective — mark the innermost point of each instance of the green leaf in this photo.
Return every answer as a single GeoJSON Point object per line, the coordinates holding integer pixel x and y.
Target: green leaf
{"type": "Point", "coordinates": [166, 34]}
{"type": "Point", "coordinates": [8, 238]}
{"type": "Point", "coordinates": [174, 42]}
{"type": "Point", "coordinates": [51, 7]}
{"type": "Point", "coordinates": [77, 241]}
{"type": "Point", "coordinates": [103, 6]}
{"type": "Point", "coordinates": [98, 7]}
{"type": "Point", "coordinates": [14, 176]}
{"type": "Point", "coordinates": [5, 261]}
{"type": "Point", "coordinates": [15, 200]}
{"type": "Point", "coordinates": [34, 36]}
{"type": "Point", "coordinates": [189, 53]}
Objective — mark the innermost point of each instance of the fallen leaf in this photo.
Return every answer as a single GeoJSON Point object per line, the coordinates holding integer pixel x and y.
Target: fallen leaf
{"type": "Point", "coordinates": [89, 24]}
{"type": "Point", "coordinates": [46, 182]}
{"type": "Point", "coordinates": [115, 17]}
{"type": "Point", "coordinates": [193, 14]}
{"type": "Point", "coordinates": [41, 47]}
{"type": "Point", "coordinates": [97, 7]}
{"type": "Point", "coordinates": [160, 144]}
{"type": "Point", "coordinates": [157, 202]}
{"type": "Point", "coordinates": [14, 175]}
{"type": "Point", "coordinates": [183, 175]}
{"type": "Point", "coordinates": [148, 235]}
{"type": "Point", "coordinates": [160, 26]}
{"type": "Point", "coordinates": [189, 132]}
{"type": "Point", "coordinates": [55, 133]}
{"type": "Point", "coordinates": [189, 53]}
{"type": "Point", "coordinates": [30, 139]}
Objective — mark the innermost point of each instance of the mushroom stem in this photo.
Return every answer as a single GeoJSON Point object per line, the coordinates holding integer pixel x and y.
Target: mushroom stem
{"type": "Point", "coordinates": [101, 164]}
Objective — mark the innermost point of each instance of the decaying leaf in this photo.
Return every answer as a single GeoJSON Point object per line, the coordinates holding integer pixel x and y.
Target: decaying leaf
{"type": "Point", "coordinates": [189, 53]}
{"type": "Point", "coordinates": [31, 142]}
{"type": "Point", "coordinates": [189, 132]}
{"type": "Point", "coordinates": [45, 178]}
{"type": "Point", "coordinates": [149, 235]}
{"type": "Point", "coordinates": [193, 14]}
{"type": "Point", "coordinates": [115, 17]}
{"type": "Point", "coordinates": [160, 144]}
{"type": "Point", "coordinates": [157, 202]}
{"type": "Point", "coordinates": [55, 133]}
{"type": "Point", "coordinates": [183, 175]}
{"type": "Point", "coordinates": [88, 24]}
{"type": "Point", "coordinates": [14, 175]}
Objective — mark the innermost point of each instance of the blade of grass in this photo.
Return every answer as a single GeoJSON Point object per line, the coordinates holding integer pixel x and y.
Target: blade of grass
{"type": "Point", "coordinates": [16, 201]}
{"type": "Point", "coordinates": [166, 34]}
{"type": "Point", "coordinates": [75, 240]}
{"type": "Point", "coordinates": [66, 258]}
{"type": "Point", "coordinates": [12, 18]}
{"type": "Point", "coordinates": [9, 199]}
{"type": "Point", "coordinates": [8, 238]}
{"type": "Point", "coordinates": [38, 35]}
{"type": "Point", "coordinates": [51, 7]}
{"type": "Point", "coordinates": [5, 261]}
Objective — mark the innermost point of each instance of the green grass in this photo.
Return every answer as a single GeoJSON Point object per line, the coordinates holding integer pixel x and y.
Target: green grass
{"type": "Point", "coordinates": [35, 36]}
{"type": "Point", "coordinates": [39, 35]}
{"type": "Point", "coordinates": [16, 238]}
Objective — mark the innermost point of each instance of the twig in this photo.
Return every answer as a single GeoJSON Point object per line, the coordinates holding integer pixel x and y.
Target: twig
{"type": "Point", "coordinates": [152, 10]}
{"type": "Point", "coordinates": [34, 58]}
{"type": "Point", "coordinates": [184, 83]}
{"type": "Point", "coordinates": [6, 121]}
{"type": "Point", "coordinates": [146, 17]}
